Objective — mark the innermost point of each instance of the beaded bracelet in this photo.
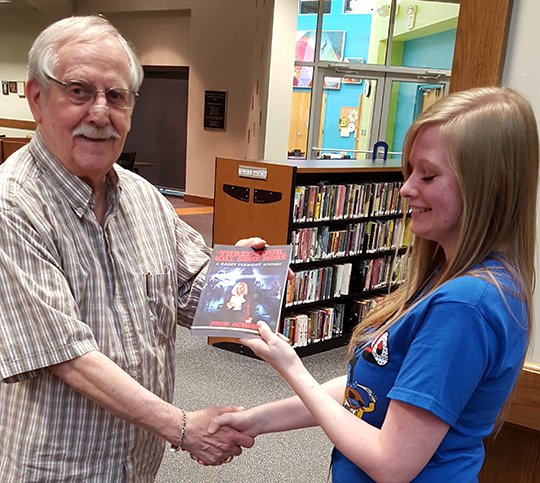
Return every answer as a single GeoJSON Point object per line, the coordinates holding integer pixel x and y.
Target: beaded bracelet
{"type": "Point", "coordinates": [174, 449]}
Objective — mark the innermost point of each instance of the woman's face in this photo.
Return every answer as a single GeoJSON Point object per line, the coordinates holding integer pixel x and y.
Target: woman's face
{"type": "Point", "coordinates": [432, 191]}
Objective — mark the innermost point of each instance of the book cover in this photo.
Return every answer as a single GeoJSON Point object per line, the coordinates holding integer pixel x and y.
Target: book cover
{"type": "Point", "coordinates": [242, 287]}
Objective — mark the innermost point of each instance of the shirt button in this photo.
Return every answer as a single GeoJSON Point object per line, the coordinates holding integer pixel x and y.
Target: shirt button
{"type": "Point", "coordinates": [126, 327]}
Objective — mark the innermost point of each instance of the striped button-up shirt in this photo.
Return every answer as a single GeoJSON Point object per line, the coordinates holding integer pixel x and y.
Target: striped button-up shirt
{"type": "Point", "coordinates": [71, 286]}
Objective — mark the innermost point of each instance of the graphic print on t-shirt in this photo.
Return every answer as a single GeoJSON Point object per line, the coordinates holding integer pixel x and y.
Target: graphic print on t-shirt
{"type": "Point", "coordinates": [378, 352]}
{"type": "Point", "coordinates": [359, 400]}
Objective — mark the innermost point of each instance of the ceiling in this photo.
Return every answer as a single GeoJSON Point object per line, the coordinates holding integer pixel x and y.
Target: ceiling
{"type": "Point", "coordinates": [54, 8]}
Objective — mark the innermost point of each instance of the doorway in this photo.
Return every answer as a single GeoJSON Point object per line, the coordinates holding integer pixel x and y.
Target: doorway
{"type": "Point", "coordinates": [159, 127]}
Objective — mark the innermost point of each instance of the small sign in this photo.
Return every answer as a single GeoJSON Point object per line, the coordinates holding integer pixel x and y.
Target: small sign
{"type": "Point", "coordinates": [215, 109]}
{"type": "Point", "coordinates": [20, 89]}
{"type": "Point", "coordinates": [249, 172]}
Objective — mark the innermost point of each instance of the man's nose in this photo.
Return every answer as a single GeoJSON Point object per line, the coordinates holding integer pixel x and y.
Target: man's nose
{"type": "Point", "coordinates": [99, 111]}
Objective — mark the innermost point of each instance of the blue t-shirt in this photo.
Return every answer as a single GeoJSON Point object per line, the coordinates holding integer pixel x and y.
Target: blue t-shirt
{"type": "Point", "coordinates": [456, 354]}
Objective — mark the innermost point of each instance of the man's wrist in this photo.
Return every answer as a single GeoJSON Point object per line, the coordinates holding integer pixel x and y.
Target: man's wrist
{"type": "Point", "coordinates": [179, 446]}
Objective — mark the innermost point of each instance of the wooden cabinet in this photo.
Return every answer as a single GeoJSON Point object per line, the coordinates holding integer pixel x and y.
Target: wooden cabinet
{"type": "Point", "coordinates": [347, 199]}
{"type": "Point", "coordinates": [514, 453]}
{"type": "Point", "coordinates": [9, 145]}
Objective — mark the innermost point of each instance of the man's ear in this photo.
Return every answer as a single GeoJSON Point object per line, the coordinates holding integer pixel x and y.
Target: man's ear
{"type": "Point", "coordinates": [35, 96]}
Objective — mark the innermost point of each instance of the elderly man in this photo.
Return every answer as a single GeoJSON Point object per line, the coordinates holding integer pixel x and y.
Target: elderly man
{"type": "Point", "coordinates": [96, 271]}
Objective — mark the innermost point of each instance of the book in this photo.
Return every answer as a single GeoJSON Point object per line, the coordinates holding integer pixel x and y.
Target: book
{"type": "Point", "coordinates": [242, 287]}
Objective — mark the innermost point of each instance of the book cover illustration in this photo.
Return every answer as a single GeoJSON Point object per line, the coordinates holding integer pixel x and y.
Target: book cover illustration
{"type": "Point", "coordinates": [242, 287]}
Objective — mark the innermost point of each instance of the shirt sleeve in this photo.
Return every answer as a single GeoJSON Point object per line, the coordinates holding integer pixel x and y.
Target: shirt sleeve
{"type": "Point", "coordinates": [192, 262]}
{"type": "Point", "coordinates": [39, 320]}
{"type": "Point", "coordinates": [446, 360]}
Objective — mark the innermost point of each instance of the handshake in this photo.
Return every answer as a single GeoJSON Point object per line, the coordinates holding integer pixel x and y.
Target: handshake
{"type": "Point", "coordinates": [214, 435]}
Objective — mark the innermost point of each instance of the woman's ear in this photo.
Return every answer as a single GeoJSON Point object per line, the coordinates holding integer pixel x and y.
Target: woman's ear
{"type": "Point", "coordinates": [35, 97]}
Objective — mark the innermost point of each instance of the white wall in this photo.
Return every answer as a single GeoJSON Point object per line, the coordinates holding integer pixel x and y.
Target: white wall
{"type": "Point", "coordinates": [279, 91]}
{"type": "Point", "coordinates": [159, 37]}
{"type": "Point", "coordinates": [521, 72]}
{"type": "Point", "coordinates": [16, 36]}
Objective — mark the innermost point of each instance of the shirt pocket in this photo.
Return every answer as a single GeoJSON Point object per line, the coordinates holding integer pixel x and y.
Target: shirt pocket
{"type": "Point", "coordinates": [161, 303]}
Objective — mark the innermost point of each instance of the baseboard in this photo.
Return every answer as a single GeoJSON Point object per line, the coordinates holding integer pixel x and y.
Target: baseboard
{"type": "Point", "coordinates": [199, 200]}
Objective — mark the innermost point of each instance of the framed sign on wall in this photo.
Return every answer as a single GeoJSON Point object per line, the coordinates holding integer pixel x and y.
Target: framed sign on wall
{"type": "Point", "coordinates": [215, 110]}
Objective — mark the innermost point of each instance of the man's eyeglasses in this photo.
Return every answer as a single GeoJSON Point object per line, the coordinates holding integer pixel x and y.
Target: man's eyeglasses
{"type": "Point", "coordinates": [80, 92]}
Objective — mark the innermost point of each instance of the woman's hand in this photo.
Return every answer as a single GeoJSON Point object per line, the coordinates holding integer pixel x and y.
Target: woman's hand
{"type": "Point", "coordinates": [241, 421]}
{"type": "Point", "coordinates": [274, 349]}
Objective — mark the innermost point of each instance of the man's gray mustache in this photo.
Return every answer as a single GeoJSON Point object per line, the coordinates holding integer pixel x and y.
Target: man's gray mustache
{"type": "Point", "coordinates": [95, 132]}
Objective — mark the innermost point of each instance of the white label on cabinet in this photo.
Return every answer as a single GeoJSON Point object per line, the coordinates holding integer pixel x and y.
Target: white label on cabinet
{"type": "Point", "coordinates": [256, 173]}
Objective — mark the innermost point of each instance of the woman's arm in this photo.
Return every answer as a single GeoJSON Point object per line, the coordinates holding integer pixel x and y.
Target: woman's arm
{"type": "Point", "coordinates": [283, 415]}
{"type": "Point", "coordinates": [396, 452]}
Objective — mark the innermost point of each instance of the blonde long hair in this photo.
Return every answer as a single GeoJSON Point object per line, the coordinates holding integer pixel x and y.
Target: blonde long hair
{"type": "Point", "coordinates": [492, 140]}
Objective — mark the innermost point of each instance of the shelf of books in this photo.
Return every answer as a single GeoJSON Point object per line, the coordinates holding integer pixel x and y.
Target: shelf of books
{"type": "Point", "coordinates": [348, 228]}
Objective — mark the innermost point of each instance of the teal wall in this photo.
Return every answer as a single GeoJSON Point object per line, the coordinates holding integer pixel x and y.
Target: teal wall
{"type": "Point", "coordinates": [434, 51]}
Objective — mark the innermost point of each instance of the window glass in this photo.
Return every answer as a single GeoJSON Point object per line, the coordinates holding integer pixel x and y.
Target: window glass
{"type": "Point", "coordinates": [299, 124]}
{"type": "Point", "coordinates": [358, 6]}
{"type": "Point", "coordinates": [356, 37]}
{"type": "Point", "coordinates": [407, 101]}
{"type": "Point", "coordinates": [312, 6]}
{"type": "Point", "coordinates": [363, 35]}
{"type": "Point", "coordinates": [346, 117]}
{"type": "Point", "coordinates": [424, 34]}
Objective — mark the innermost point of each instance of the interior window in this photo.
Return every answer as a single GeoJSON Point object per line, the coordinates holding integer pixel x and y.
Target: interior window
{"type": "Point", "coordinates": [363, 72]}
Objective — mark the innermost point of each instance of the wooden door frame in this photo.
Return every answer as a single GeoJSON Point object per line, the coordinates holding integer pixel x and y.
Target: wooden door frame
{"type": "Point", "coordinates": [481, 38]}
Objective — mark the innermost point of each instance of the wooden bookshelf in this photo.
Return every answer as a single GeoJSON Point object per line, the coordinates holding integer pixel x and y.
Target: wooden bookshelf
{"type": "Point", "coordinates": [256, 198]}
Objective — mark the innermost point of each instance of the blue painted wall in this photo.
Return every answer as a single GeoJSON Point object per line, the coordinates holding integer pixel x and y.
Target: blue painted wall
{"type": "Point", "coordinates": [435, 51]}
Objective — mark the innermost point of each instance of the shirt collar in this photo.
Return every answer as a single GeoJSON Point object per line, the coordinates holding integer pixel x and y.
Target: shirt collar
{"type": "Point", "coordinates": [73, 189]}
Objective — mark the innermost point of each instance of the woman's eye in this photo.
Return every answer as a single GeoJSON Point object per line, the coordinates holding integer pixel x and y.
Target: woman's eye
{"type": "Point", "coordinates": [428, 177]}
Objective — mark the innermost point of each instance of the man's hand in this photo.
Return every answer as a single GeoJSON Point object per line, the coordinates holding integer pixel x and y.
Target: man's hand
{"type": "Point", "coordinates": [213, 449]}
{"type": "Point", "coordinates": [258, 244]}
{"type": "Point", "coordinates": [254, 242]}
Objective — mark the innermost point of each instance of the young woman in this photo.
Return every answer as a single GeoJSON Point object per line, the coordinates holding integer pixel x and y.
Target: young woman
{"type": "Point", "coordinates": [433, 365]}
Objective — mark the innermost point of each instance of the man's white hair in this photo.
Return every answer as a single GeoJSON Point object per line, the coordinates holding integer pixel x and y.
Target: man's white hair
{"type": "Point", "coordinates": [43, 56]}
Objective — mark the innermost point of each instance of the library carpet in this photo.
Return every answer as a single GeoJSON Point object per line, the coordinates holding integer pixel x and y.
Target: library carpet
{"type": "Point", "coordinates": [208, 376]}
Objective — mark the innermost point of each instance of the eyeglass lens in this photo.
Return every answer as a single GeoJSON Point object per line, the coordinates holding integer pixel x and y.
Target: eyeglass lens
{"type": "Point", "coordinates": [80, 92]}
